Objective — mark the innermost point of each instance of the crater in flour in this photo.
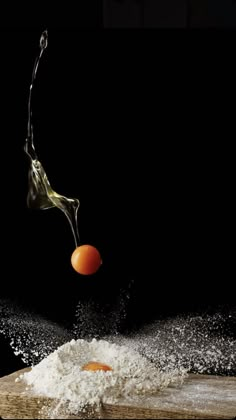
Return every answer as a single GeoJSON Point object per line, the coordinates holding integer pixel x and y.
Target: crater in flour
{"type": "Point", "coordinates": [61, 375]}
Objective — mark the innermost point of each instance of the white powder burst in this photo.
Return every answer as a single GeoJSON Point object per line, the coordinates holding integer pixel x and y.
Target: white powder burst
{"type": "Point", "coordinates": [200, 343]}
{"type": "Point", "coordinates": [31, 337]}
{"type": "Point", "coordinates": [60, 375]}
{"type": "Point", "coordinates": [144, 361]}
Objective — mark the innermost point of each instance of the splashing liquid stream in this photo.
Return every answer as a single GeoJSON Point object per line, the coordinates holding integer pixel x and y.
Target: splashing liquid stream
{"type": "Point", "coordinates": [40, 194]}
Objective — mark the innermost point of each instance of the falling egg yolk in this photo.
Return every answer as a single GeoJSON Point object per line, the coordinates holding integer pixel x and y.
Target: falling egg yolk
{"type": "Point", "coordinates": [94, 366]}
{"type": "Point", "coordinates": [86, 259]}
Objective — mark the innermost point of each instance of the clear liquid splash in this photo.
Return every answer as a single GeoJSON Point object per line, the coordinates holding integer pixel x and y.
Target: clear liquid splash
{"type": "Point", "coordinates": [40, 193]}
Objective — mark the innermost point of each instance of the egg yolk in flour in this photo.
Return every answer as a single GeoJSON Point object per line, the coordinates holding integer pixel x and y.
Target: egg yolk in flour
{"type": "Point", "coordinates": [94, 366]}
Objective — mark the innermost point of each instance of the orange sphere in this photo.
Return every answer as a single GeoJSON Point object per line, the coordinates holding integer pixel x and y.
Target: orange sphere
{"type": "Point", "coordinates": [94, 366]}
{"type": "Point", "coordinates": [86, 259]}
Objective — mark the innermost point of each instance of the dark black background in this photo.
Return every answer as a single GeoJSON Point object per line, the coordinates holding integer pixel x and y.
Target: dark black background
{"type": "Point", "coordinates": [138, 127]}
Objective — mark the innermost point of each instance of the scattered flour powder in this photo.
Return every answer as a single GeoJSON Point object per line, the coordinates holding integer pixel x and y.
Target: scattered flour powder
{"type": "Point", "coordinates": [143, 361]}
{"type": "Point", "coordinates": [60, 375]}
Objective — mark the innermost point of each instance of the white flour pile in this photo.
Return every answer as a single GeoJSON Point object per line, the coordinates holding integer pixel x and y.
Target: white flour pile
{"type": "Point", "coordinates": [152, 357]}
{"type": "Point", "coordinates": [60, 375]}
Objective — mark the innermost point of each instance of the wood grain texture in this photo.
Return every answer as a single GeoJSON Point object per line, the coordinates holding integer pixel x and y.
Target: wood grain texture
{"type": "Point", "coordinates": [200, 397]}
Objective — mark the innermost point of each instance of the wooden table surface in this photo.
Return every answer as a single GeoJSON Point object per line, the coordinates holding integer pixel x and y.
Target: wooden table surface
{"type": "Point", "coordinates": [200, 397]}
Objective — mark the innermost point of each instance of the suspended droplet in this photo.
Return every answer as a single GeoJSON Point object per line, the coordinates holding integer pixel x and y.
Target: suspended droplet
{"type": "Point", "coordinates": [44, 40]}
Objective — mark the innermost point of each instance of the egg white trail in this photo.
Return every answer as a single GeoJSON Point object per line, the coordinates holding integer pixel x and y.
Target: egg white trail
{"type": "Point", "coordinates": [40, 194]}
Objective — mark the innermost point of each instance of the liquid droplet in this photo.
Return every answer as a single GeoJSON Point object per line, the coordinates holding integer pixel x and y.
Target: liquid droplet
{"type": "Point", "coordinates": [44, 40]}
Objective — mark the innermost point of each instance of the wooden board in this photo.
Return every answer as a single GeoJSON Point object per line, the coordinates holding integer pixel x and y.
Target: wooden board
{"type": "Point", "coordinates": [200, 397]}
